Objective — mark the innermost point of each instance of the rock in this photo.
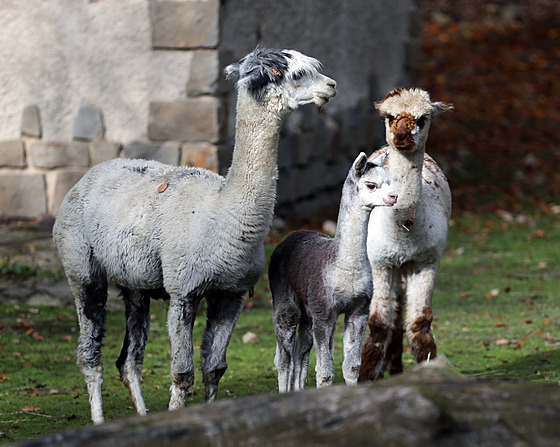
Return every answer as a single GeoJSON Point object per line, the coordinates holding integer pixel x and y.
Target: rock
{"type": "Point", "coordinates": [89, 122]}
{"type": "Point", "coordinates": [12, 154]}
{"type": "Point", "coordinates": [167, 153]}
{"type": "Point", "coordinates": [31, 121]}
{"type": "Point", "coordinates": [250, 337]}
{"type": "Point", "coordinates": [429, 406]}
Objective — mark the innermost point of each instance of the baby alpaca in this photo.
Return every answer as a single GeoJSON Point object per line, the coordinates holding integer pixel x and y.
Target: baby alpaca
{"type": "Point", "coordinates": [314, 278]}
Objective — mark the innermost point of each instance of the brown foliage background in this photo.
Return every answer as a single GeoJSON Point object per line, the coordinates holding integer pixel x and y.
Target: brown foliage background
{"type": "Point", "coordinates": [498, 62]}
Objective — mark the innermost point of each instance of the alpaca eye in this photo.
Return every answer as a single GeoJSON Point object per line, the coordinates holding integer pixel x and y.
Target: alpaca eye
{"type": "Point", "coordinates": [390, 119]}
{"type": "Point", "coordinates": [371, 186]}
{"type": "Point", "coordinates": [421, 121]}
{"type": "Point", "coordinates": [298, 75]}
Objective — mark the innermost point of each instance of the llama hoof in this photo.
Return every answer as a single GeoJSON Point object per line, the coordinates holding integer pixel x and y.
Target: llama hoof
{"type": "Point", "coordinates": [211, 393]}
{"type": "Point", "coordinates": [177, 399]}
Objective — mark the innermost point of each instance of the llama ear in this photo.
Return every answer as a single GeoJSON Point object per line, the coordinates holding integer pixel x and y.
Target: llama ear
{"type": "Point", "coordinates": [380, 160]}
{"type": "Point", "coordinates": [440, 107]}
{"type": "Point", "coordinates": [232, 71]}
{"type": "Point", "coordinates": [359, 165]}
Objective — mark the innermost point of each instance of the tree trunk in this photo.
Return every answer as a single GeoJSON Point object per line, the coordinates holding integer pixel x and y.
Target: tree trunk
{"type": "Point", "coordinates": [429, 406]}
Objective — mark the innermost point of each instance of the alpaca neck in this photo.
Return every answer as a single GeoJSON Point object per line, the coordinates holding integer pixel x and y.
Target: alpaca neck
{"type": "Point", "coordinates": [351, 231]}
{"type": "Point", "coordinates": [405, 173]}
{"type": "Point", "coordinates": [249, 192]}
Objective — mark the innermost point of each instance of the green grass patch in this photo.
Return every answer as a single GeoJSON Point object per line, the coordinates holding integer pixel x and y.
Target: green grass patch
{"type": "Point", "coordinates": [496, 314]}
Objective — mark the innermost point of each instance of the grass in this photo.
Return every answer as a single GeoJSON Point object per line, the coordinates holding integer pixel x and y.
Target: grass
{"type": "Point", "coordinates": [496, 314]}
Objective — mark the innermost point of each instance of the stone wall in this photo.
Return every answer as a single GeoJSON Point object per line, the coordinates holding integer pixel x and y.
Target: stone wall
{"type": "Point", "coordinates": [90, 80]}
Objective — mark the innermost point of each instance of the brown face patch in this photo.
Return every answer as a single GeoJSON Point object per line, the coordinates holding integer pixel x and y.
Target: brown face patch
{"type": "Point", "coordinates": [402, 126]}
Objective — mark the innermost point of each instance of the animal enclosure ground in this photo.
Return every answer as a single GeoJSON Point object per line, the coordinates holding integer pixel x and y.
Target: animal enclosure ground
{"type": "Point", "coordinates": [496, 313]}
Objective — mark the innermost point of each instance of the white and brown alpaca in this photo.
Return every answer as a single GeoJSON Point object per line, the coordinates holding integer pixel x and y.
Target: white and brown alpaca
{"type": "Point", "coordinates": [315, 278]}
{"type": "Point", "coordinates": [405, 242]}
{"type": "Point", "coordinates": [182, 233]}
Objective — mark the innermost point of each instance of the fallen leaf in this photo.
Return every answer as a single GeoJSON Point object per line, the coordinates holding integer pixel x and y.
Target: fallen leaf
{"type": "Point", "coordinates": [499, 324]}
{"type": "Point", "coordinates": [502, 341]}
{"type": "Point", "coordinates": [30, 408]}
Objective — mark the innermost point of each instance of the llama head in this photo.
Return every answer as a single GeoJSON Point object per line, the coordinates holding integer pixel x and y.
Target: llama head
{"type": "Point", "coordinates": [408, 113]}
{"type": "Point", "coordinates": [282, 79]}
{"type": "Point", "coordinates": [373, 187]}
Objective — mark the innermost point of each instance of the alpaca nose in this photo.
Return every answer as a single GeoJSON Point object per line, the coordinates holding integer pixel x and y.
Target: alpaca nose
{"type": "Point", "coordinates": [392, 197]}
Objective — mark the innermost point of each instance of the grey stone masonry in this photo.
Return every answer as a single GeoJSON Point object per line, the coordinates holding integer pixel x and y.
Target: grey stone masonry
{"type": "Point", "coordinates": [23, 195]}
{"type": "Point", "coordinates": [188, 120]}
{"type": "Point", "coordinates": [58, 184]}
{"type": "Point", "coordinates": [167, 153]}
{"type": "Point", "coordinates": [184, 25]}
{"type": "Point", "coordinates": [89, 122]}
{"type": "Point", "coordinates": [31, 121]}
{"type": "Point", "coordinates": [100, 151]}
{"type": "Point", "coordinates": [12, 154]}
{"type": "Point", "coordinates": [204, 73]}
{"type": "Point", "coordinates": [56, 155]}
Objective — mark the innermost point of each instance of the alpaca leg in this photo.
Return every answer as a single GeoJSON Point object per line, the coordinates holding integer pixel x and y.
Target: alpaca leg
{"type": "Point", "coordinates": [304, 344]}
{"type": "Point", "coordinates": [180, 321]}
{"type": "Point", "coordinates": [419, 313]}
{"type": "Point", "coordinates": [395, 349]}
{"type": "Point", "coordinates": [222, 314]}
{"type": "Point", "coordinates": [323, 338]}
{"type": "Point", "coordinates": [129, 364]}
{"type": "Point", "coordinates": [381, 317]}
{"type": "Point", "coordinates": [285, 327]}
{"type": "Point", "coordinates": [90, 306]}
{"type": "Point", "coordinates": [355, 326]}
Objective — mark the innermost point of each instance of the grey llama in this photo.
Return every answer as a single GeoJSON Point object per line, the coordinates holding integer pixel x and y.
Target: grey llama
{"type": "Point", "coordinates": [405, 243]}
{"type": "Point", "coordinates": [182, 233]}
{"type": "Point", "coordinates": [315, 278]}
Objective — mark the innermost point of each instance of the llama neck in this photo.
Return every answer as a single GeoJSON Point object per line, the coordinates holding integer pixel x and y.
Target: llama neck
{"type": "Point", "coordinates": [249, 192]}
{"type": "Point", "coordinates": [405, 172]}
{"type": "Point", "coordinates": [351, 231]}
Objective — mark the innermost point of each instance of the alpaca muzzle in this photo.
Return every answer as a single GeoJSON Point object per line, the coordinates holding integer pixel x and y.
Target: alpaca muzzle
{"type": "Point", "coordinates": [402, 128]}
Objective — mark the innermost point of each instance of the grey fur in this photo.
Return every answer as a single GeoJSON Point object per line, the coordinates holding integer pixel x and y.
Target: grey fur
{"type": "Point", "coordinates": [181, 233]}
{"type": "Point", "coordinates": [315, 278]}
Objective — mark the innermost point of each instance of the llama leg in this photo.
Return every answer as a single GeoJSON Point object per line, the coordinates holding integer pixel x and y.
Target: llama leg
{"type": "Point", "coordinates": [285, 328]}
{"type": "Point", "coordinates": [90, 306]}
{"type": "Point", "coordinates": [180, 321]}
{"type": "Point", "coordinates": [381, 317]}
{"type": "Point", "coordinates": [419, 313]}
{"type": "Point", "coordinates": [355, 325]}
{"type": "Point", "coordinates": [395, 349]}
{"type": "Point", "coordinates": [323, 338]}
{"type": "Point", "coordinates": [222, 314]}
{"type": "Point", "coordinates": [129, 364]}
{"type": "Point", "coordinates": [304, 344]}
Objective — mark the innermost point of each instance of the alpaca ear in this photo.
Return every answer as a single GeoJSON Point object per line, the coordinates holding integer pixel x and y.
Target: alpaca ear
{"type": "Point", "coordinates": [440, 107]}
{"type": "Point", "coordinates": [232, 71]}
{"type": "Point", "coordinates": [359, 165]}
{"type": "Point", "coordinates": [380, 160]}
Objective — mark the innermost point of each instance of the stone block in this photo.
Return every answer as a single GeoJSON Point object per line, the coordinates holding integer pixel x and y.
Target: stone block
{"type": "Point", "coordinates": [203, 155]}
{"type": "Point", "coordinates": [100, 151]}
{"type": "Point", "coordinates": [185, 25]}
{"type": "Point", "coordinates": [12, 154]}
{"type": "Point", "coordinates": [57, 155]}
{"type": "Point", "coordinates": [23, 195]}
{"type": "Point", "coordinates": [31, 121]}
{"type": "Point", "coordinates": [167, 153]}
{"type": "Point", "coordinates": [89, 122]}
{"type": "Point", "coordinates": [204, 73]}
{"type": "Point", "coordinates": [188, 120]}
{"type": "Point", "coordinates": [58, 185]}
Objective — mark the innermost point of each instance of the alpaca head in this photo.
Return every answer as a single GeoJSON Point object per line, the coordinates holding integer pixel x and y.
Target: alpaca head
{"type": "Point", "coordinates": [282, 79]}
{"type": "Point", "coordinates": [371, 182]}
{"type": "Point", "coordinates": [408, 113]}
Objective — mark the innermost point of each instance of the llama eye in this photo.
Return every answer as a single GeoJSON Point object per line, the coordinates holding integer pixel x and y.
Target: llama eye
{"type": "Point", "coordinates": [421, 121]}
{"type": "Point", "coordinates": [371, 186]}
{"type": "Point", "coordinates": [298, 75]}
